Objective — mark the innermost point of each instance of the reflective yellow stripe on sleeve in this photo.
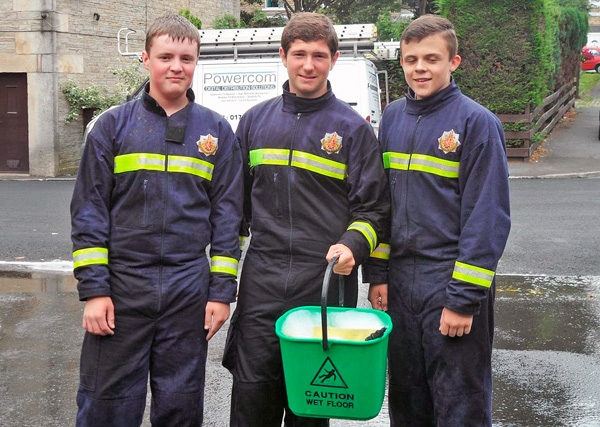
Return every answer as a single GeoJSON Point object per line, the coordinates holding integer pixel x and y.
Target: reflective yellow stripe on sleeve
{"type": "Point", "coordinates": [222, 264]}
{"type": "Point", "coordinates": [382, 251]}
{"type": "Point", "coordinates": [474, 275]}
{"type": "Point", "coordinates": [90, 256]}
{"type": "Point", "coordinates": [366, 230]}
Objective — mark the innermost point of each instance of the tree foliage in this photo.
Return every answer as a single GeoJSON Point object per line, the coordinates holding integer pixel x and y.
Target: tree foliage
{"type": "Point", "coordinates": [227, 21]}
{"type": "Point", "coordinates": [340, 11]}
{"type": "Point", "coordinates": [197, 22]}
{"type": "Point", "coordinates": [389, 28]}
{"type": "Point", "coordinates": [343, 11]}
{"type": "Point", "coordinates": [259, 19]}
{"type": "Point", "coordinates": [420, 7]}
{"type": "Point", "coordinates": [358, 11]}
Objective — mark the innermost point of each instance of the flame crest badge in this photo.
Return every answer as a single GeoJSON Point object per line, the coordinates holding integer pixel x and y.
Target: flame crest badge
{"type": "Point", "coordinates": [449, 141]}
{"type": "Point", "coordinates": [208, 144]}
{"type": "Point", "coordinates": [331, 143]}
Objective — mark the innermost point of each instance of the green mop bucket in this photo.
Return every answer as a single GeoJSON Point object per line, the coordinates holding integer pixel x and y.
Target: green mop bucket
{"type": "Point", "coordinates": [333, 369]}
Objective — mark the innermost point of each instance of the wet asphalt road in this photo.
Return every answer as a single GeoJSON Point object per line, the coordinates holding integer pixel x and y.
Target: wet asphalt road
{"type": "Point", "coordinates": [547, 348]}
{"type": "Point", "coordinates": [546, 361]}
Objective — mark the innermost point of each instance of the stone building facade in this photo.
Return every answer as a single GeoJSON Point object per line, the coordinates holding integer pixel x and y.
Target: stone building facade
{"type": "Point", "coordinates": [46, 43]}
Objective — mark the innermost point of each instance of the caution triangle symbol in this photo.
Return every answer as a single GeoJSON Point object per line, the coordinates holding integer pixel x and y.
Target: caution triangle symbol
{"type": "Point", "coordinates": [328, 376]}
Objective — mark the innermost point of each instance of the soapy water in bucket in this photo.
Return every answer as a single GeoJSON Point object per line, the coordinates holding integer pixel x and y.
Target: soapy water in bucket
{"type": "Point", "coordinates": [346, 325]}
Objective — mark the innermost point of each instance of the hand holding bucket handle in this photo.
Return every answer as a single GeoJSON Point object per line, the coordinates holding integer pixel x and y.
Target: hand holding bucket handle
{"type": "Point", "coordinates": [324, 292]}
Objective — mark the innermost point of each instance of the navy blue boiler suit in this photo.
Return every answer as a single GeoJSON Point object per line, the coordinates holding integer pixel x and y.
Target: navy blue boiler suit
{"type": "Point", "coordinates": [151, 194]}
{"type": "Point", "coordinates": [314, 177]}
{"type": "Point", "coordinates": [447, 168]}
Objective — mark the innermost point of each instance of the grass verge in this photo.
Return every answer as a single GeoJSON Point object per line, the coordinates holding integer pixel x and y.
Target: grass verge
{"type": "Point", "coordinates": [587, 81]}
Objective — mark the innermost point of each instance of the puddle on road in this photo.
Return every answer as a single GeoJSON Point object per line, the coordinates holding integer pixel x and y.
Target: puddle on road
{"type": "Point", "coordinates": [31, 282]}
{"type": "Point", "coordinates": [547, 351]}
{"type": "Point", "coordinates": [548, 313]}
{"type": "Point", "coordinates": [562, 287]}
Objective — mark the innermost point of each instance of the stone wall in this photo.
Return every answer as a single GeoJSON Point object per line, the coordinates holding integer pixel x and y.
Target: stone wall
{"type": "Point", "coordinates": [55, 41]}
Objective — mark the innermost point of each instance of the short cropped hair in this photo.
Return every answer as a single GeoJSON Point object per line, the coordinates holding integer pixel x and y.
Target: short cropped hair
{"type": "Point", "coordinates": [428, 25]}
{"type": "Point", "coordinates": [308, 27]}
{"type": "Point", "coordinates": [175, 26]}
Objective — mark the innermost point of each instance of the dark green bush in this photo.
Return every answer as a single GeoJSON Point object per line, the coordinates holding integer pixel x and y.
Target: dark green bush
{"type": "Point", "coordinates": [516, 53]}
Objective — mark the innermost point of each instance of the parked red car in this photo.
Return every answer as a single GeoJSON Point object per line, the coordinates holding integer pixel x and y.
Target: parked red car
{"type": "Point", "coordinates": [591, 58]}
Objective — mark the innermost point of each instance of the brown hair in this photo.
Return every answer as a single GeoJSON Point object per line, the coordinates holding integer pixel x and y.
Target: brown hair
{"type": "Point", "coordinates": [175, 26]}
{"type": "Point", "coordinates": [308, 27]}
{"type": "Point", "coordinates": [428, 25]}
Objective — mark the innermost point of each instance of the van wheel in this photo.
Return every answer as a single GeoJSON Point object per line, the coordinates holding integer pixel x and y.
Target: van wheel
{"type": "Point", "coordinates": [597, 68]}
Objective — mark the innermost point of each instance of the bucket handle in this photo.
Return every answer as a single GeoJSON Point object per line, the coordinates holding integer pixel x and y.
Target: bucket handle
{"type": "Point", "coordinates": [324, 292]}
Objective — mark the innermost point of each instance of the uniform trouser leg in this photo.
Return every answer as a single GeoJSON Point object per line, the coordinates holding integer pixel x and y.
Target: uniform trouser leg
{"type": "Point", "coordinates": [434, 379]}
{"type": "Point", "coordinates": [409, 398]}
{"type": "Point", "coordinates": [249, 407]}
{"type": "Point", "coordinates": [114, 394]}
{"type": "Point", "coordinates": [178, 364]}
{"type": "Point", "coordinates": [170, 345]}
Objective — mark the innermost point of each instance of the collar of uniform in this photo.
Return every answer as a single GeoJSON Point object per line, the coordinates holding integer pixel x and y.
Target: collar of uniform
{"type": "Point", "coordinates": [433, 102]}
{"type": "Point", "coordinates": [153, 106]}
{"type": "Point", "coordinates": [295, 104]}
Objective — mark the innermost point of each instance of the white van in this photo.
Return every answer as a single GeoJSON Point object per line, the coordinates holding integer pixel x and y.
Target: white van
{"type": "Point", "coordinates": [239, 68]}
{"type": "Point", "coordinates": [230, 87]}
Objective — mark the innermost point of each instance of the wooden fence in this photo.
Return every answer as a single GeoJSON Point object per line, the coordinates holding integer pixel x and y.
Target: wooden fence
{"type": "Point", "coordinates": [539, 122]}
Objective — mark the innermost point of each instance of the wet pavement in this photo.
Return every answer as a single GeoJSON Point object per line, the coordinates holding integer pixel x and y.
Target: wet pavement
{"type": "Point", "coordinates": [546, 361]}
{"type": "Point", "coordinates": [547, 357]}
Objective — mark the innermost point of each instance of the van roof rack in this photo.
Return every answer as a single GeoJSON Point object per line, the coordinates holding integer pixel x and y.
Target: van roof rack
{"type": "Point", "coordinates": [353, 39]}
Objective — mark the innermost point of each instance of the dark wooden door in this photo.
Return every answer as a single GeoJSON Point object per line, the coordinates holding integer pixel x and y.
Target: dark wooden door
{"type": "Point", "coordinates": [14, 139]}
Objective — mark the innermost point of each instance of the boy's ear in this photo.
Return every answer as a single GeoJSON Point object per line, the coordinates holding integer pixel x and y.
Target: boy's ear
{"type": "Point", "coordinates": [282, 56]}
{"type": "Point", "coordinates": [145, 58]}
{"type": "Point", "coordinates": [334, 58]}
{"type": "Point", "coordinates": [455, 62]}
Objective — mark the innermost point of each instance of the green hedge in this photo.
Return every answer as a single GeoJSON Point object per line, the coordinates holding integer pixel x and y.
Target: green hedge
{"type": "Point", "coordinates": [514, 52]}
{"type": "Point", "coordinates": [507, 51]}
